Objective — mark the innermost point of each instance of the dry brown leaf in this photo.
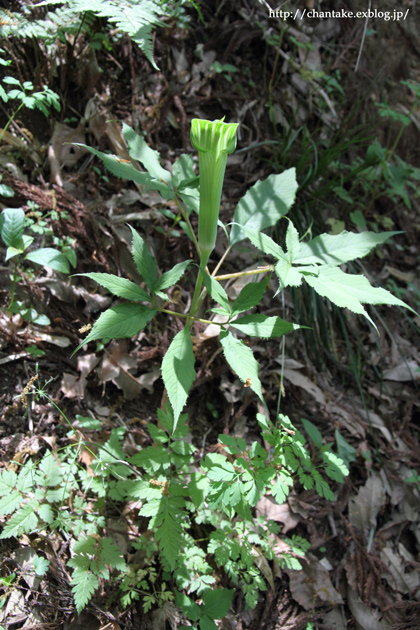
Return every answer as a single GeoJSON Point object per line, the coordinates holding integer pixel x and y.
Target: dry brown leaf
{"type": "Point", "coordinates": [366, 618]}
{"type": "Point", "coordinates": [312, 585]}
{"type": "Point", "coordinates": [268, 508]}
{"type": "Point", "coordinates": [364, 508]}
{"type": "Point", "coordinates": [299, 379]}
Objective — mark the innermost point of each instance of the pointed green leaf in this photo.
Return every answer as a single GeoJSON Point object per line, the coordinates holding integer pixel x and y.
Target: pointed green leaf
{"type": "Point", "coordinates": [340, 248]}
{"type": "Point", "coordinates": [169, 533]}
{"type": "Point", "coordinates": [264, 204]}
{"type": "Point", "coordinates": [124, 170]}
{"type": "Point", "coordinates": [242, 361]}
{"type": "Point", "coordinates": [169, 278]}
{"type": "Point", "coordinates": [217, 602]}
{"type": "Point", "coordinates": [25, 520]}
{"type": "Point", "coordinates": [265, 244]}
{"type": "Point", "coordinates": [183, 172]}
{"type": "Point", "coordinates": [145, 262]}
{"type": "Point", "coordinates": [12, 223]}
{"type": "Point", "coordinates": [313, 432]}
{"type": "Point", "coordinates": [215, 289]}
{"type": "Point", "coordinates": [178, 371]}
{"type": "Point", "coordinates": [49, 257]}
{"type": "Point", "coordinates": [10, 503]}
{"type": "Point", "coordinates": [288, 276]}
{"type": "Point", "coordinates": [250, 296]}
{"type": "Point", "coordinates": [350, 291]}
{"type": "Point", "coordinates": [263, 326]}
{"type": "Point", "coordinates": [139, 150]}
{"type": "Point", "coordinates": [83, 584]}
{"type": "Point", "coordinates": [292, 242]}
{"type": "Point", "coordinates": [119, 286]}
{"type": "Point", "coordinates": [120, 321]}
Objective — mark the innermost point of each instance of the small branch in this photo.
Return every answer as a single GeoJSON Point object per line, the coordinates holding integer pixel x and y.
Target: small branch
{"type": "Point", "coordinates": [240, 274]}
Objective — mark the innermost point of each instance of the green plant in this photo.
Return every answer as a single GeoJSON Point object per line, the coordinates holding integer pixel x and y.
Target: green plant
{"type": "Point", "coordinates": [25, 95]}
{"type": "Point", "coordinates": [200, 511]}
{"type": "Point", "coordinates": [12, 232]}
{"type": "Point", "coordinates": [66, 22]}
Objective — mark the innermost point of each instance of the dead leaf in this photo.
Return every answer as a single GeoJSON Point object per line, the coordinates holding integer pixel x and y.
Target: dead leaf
{"type": "Point", "coordinates": [300, 380]}
{"type": "Point", "coordinates": [366, 618]}
{"type": "Point", "coordinates": [403, 372]}
{"type": "Point", "coordinates": [312, 585]}
{"type": "Point", "coordinates": [364, 508]}
{"type": "Point", "coordinates": [406, 582]}
{"type": "Point", "coordinates": [268, 508]}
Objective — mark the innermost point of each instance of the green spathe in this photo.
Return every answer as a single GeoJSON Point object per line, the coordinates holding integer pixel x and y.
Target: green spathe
{"type": "Point", "coordinates": [213, 141]}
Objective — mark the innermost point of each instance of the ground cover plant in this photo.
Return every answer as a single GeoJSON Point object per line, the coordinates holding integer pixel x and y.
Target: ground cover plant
{"type": "Point", "coordinates": [198, 429]}
{"type": "Point", "coordinates": [177, 492]}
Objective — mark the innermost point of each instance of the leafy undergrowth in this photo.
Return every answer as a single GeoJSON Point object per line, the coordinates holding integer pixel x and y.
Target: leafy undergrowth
{"type": "Point", "coordinates": [82, 498]}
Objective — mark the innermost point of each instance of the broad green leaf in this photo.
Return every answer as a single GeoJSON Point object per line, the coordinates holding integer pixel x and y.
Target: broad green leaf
{"type": "Point", "coordinates": [292, 242]}
{"type": "Point", "coordinates": [217, 602]}
{"type": "Point", "coordinates": [263, 326]}
{"type": "Point", "coordinates": [122, 320]}
{"type": "Point", "coordinates": [250, 296]}
{"type": "Point", "coordinates": [215, 289]}
{"type": "Point", "coordinates": [242, 361]}
{"type": "Point", "coordinates": [207, 623]}
{"type": "Point", "coordinates": [124, 170]}
{"type": "Point", "coordinates": [264, 204]}
{"type": "Point", "coordinates": [265, 244]}
{"type": "Point", "coordinates": [183, 172]}
{"type": "Point", "coordinates": [8, 481]}
{"type": "Point", "coordinates": [49, 257]}
{"type": "Point", "coordinates": [350, 291]}
{"type": "Point", "coordinates": [288, 276]}
{"type": "Point", "coordinates": [139, 150]}
{"type": "Point", "coordinates": [46, 513]}
{"type": "Point", "coordinates": [12, 223]}
{"type": "Point", "coordinates": [313, 432]}
{"type": "Point", "coordinates": [169, 278]}
{"type": "Point", "coordinates": [119, 286]}
{"type": "Point", "coordinates": [335, 250]}
{"type": "Point", "coordinates": [145, 262]}
{"type": "Point", "coordinates": [178, 371]}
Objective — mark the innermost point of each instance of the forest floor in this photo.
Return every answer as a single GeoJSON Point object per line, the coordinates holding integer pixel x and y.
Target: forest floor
{"type": "Point", "coordinates": [299, 102]}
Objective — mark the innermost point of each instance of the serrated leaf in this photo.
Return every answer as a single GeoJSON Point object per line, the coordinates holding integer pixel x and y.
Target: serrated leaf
{"type": "Point", "coordinates": [10, 502]}
{"type": "Point", "coordinates": [8, 479]}
{"type": "Point", "coordinates": [350, 291]}
{"type": "Point", "coordinates": [178, 371]}
{"type": "Point", "coordinates": [242, 361]}
{"type": "Point", "coordinates": [12, 223]}
{"type": "Point", "coordinates": [83, 585]}
{"type": "Point", "coordinates": [263, 326]}
{"type": "Point", "coordinates": [120, 321]}
{"type": "Point", "coordinates": [207, 623]}
{"type": "Point", "coordinates": [292, 242]}
{"type": "Point", "coordinates": [215, 290]}
{"type": "Point", "coordinates": [340, 248]}
{"type": "Point", "coordinates": [169, 532]}
{"type": "Point", "coordinates": [110, 555]}
{"type": "Point", "coordinates": [119, 286]}
{"type": "Point", "coordinates": [171, 277]}
{"type": "Point", "coordinates": [41, 565]}
{"type": "Point", "coordinates": [250, 296]}
{"type": "Point", "coordinates": [45, 513]}
{"type": "Point", "coordinates": [145, 262]}
{"type": "Point", "coordinates": [287, 275]}
{"type": "Point", "coordinates": [217, 602]}
{"type": "Point", "coordinates": [264, 204]}
{"type": "Point", "coordinates": [265, 244]}
{"type": "Point", "coordinates": [25, 520]}
{"type": "Point", "coordinates": [49, 257]}
{"type": "Point", "coordinates": [139, 150]}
